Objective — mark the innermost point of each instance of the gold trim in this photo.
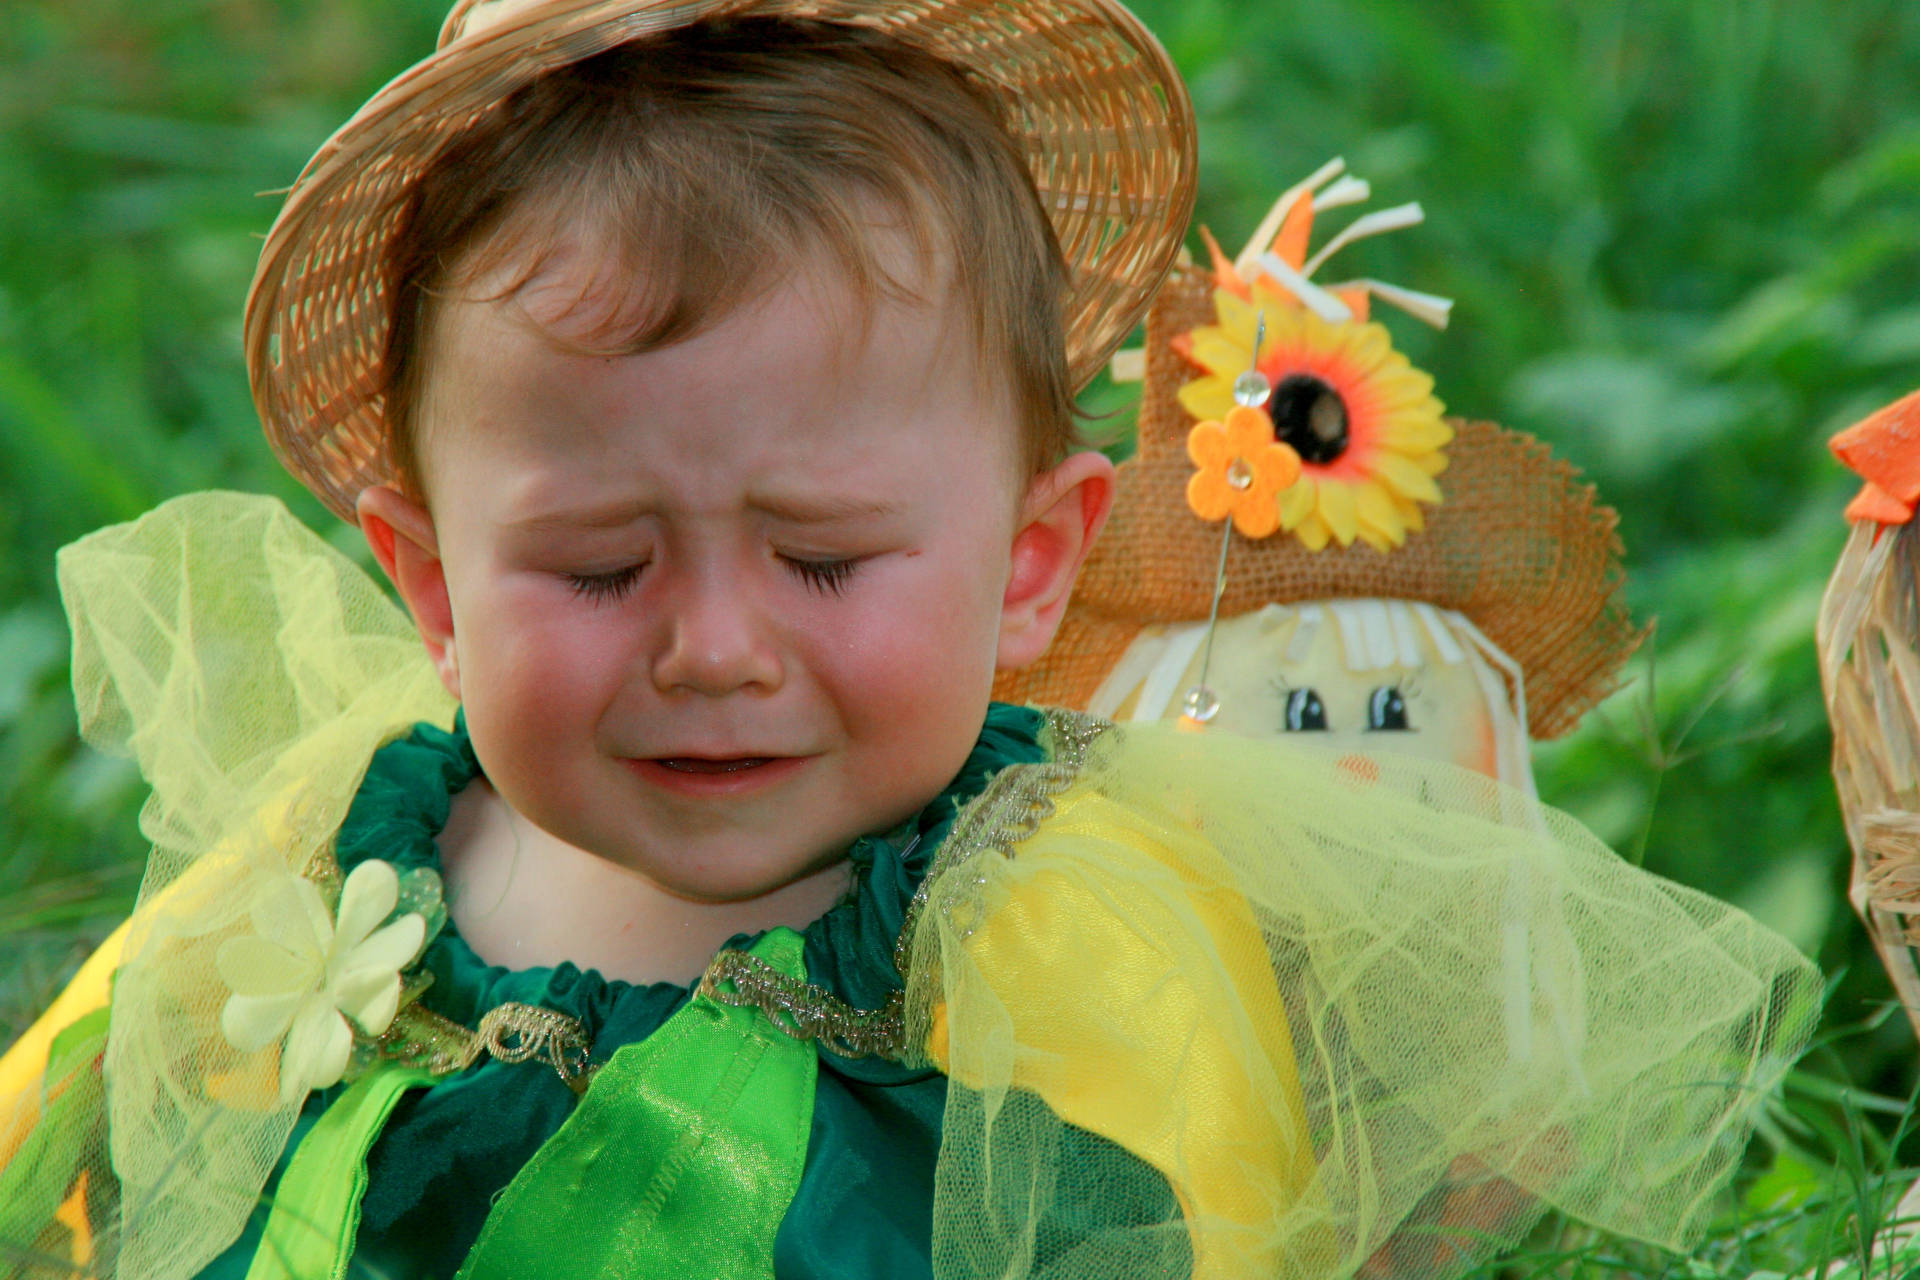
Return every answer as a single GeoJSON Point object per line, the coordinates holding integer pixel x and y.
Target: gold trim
{"type": "Point", "coordinates": [1011, 808]}
{"type": "Point", "coordinates": [511, 1032]}
{"type": "Point", "coordinates": [803, 1009]}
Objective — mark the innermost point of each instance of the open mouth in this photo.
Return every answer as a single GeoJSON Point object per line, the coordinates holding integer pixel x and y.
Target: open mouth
{"type": "Point", "coordinates": [694, 764]}
{"type": "Point", "coordinates": [716, 775]}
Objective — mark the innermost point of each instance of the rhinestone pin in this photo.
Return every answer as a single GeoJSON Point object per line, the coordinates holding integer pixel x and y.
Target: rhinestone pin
{"type": "Point", "coordinates": [1200, 705]}
{"type": "Point", "coordinates": [1251, 390]}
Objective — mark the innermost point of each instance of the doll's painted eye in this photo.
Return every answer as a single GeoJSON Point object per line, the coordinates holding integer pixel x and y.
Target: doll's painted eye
{"type": "Point", "coordinates": [1387, 709]}
{"type": "Point", "coordinates": [1305, 711]}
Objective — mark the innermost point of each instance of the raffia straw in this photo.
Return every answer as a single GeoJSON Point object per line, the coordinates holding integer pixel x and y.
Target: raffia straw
{"type": "Point", "coordinates": [1869, 641]}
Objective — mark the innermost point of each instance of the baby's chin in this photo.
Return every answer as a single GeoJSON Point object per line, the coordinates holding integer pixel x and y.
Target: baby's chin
{"type": "Point", "coordinates": [525, 894]}
{"type": "Point", "coordinates": [746, 883]}
{"type": "Point", "coordinates": [739, 854]}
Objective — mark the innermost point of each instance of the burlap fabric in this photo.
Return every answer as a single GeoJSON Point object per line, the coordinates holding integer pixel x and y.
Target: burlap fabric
{"type": "Point", "coordinates": [1519, 546]}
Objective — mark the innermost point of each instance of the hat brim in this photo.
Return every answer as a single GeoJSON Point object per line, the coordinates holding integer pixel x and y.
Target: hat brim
{"type": "Point", "coordinates": [1087, 93]}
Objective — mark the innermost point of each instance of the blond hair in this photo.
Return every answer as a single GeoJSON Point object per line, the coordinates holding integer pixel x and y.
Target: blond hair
{"type": "Point", "coordinates": [710, 155]}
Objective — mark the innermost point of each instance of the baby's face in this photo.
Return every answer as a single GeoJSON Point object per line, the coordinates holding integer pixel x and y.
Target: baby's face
{"type": "Point", "coordinates": [721, 607]}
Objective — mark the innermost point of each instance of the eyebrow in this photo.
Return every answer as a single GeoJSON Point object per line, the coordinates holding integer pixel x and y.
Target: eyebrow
{"type": "Point", "coordinates": [792, 508]}
{"type": "Point", "coordinates": [611, 515]}
{"type": "Point", "coordinates": [822, 509]}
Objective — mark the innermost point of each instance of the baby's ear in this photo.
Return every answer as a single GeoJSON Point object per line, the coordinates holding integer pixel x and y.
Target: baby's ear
{"type": "Point", "coordinates": [1061, 516]}
{"type": "Point", "coordinates": [402, 536]}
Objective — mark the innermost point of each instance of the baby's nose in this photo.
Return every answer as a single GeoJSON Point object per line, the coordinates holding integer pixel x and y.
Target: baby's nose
{"type": "Point", "coordinates": [716, 643]}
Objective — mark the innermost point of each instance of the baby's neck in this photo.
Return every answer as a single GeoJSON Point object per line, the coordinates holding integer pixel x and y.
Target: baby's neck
{"type": "Point", "coordinates": [522, 897]}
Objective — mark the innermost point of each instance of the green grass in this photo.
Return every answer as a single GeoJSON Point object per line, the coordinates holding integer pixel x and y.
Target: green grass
{"type": "Point", "coordinates": [1682, 240]}
{"type": "Point", "coordinates": [1821, 1191]}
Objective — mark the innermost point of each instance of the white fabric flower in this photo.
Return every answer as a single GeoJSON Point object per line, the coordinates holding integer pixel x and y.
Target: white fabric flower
{"type": "Point", "coordinates": [302, 974]}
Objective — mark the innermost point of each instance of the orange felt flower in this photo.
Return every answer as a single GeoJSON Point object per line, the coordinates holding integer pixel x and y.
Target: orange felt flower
{"type": "Point", "coordinates": [1884, 450]}
{"type": "Point", "coordinates": [1242, 471]}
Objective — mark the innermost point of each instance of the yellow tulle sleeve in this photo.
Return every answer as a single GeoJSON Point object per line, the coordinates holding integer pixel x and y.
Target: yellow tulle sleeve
{"type": "Point", "coordinates": [251, 671]}
{"type": "Point", "coordinates": [1362, 1022]}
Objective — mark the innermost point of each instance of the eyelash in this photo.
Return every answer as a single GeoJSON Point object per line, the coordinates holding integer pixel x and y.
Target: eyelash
{"type": "Point", "coordinates": [604, 588]}
{"type": "Point", "coordinates": [828, 577]}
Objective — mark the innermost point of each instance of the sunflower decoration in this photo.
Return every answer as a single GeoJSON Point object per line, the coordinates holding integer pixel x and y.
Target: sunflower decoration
{"type": "Point", "coordinates": [1364, 422]}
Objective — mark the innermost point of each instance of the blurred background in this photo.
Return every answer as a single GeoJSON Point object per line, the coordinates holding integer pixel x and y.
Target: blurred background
{"type": "Point", "coordinates": [1683, 237]}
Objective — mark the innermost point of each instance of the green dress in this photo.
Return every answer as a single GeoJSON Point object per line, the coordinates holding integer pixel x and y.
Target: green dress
{"type": "Point", "coordinates": [864, 1205]}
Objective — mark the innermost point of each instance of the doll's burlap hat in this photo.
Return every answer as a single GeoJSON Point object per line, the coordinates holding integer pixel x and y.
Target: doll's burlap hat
{"type": "Point", "coordinates": [1518, 545]}
{"type": "Point", "coordinates": [1087, 93]}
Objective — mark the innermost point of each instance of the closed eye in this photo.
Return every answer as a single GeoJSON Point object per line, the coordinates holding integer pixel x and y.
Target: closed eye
{"type": "Point", "coordinates": [828, 577]}
{"type": "Point", "coordinates": [605, 588]}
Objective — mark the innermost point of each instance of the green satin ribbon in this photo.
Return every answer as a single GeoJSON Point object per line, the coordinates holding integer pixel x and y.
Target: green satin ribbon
{"type": "Point", "coordinates": [680, 1161]}
{"type": "Point", "coordinates": [316, 1208]}
{"type": "Point", "coordinates": [42, 1171]}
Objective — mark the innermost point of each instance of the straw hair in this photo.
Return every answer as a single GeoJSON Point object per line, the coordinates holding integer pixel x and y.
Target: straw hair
{"type": "Point", "coordinates": [1867, 634]}
{"type": "Point", "coordinates": [1519, 546]}
{"type": "Point", "coordinates": [1091, 100]}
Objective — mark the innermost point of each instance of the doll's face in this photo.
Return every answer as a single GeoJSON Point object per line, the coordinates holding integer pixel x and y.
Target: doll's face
{"type": "Point", "coordinates": [1351, 675]}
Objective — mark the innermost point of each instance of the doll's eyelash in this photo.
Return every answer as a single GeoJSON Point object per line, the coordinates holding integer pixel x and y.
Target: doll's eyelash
{"type": "Point", "coordinates": [604, 588]}
{"type": "Point", "coordinates": [828, 577]}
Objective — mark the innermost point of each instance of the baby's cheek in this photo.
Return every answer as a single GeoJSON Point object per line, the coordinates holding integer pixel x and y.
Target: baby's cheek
{"type": "Point", "coordinates": [538, 674]}
{"type": "Point", "coordinates": [923, 653]}
{"type": "Point", "coordinates": [884, 666]}
{"type": "Point", "coordinates": [932, 611]}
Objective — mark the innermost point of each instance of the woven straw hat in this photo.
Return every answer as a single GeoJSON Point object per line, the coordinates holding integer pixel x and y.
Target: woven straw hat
{"type": "Point", "coordinates": [1519, 546]}
{"type": "Point", "coordinates": [1087, 93]}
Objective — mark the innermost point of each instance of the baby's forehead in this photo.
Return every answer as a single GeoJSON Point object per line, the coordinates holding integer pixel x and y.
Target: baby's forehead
{"type": "Point", "coordinates": [553, 314]}
{"type": "Point", "coordinates": [578, 279]}
{"type": "Point", "coordinates": [559, 363]}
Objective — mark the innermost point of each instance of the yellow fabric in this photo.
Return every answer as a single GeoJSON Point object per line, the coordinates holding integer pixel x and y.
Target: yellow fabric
{"type": "Point", "coordinates": [1180, 1047]}
{"type": "Point", "coordinates": [1489, 1014]}
{"type": "Point", "coordinates": [73, 1216]}
{"type": "Point", "coordinates": [251, 670]}
{"type": "Point", "coordinates": [23, 1068]}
